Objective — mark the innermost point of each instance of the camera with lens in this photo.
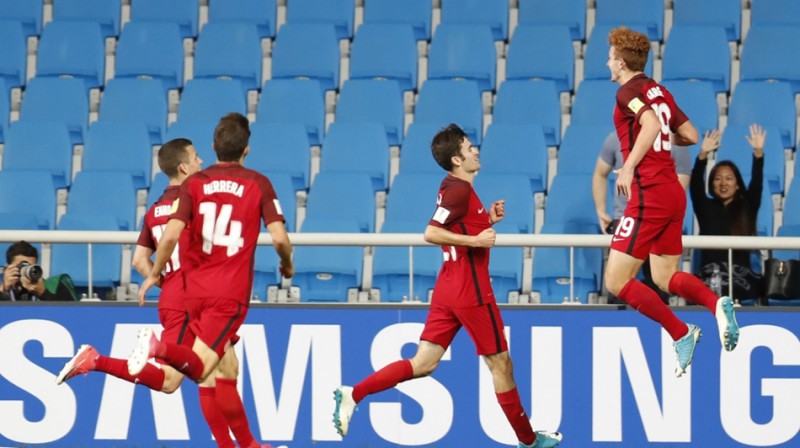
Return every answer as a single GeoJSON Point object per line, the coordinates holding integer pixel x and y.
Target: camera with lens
{"type": "Point", "coordinates": [32, 272]}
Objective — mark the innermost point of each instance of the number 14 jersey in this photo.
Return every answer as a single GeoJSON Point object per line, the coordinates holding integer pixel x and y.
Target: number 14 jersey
{"type": "Point", "coordinates": [223, 206]}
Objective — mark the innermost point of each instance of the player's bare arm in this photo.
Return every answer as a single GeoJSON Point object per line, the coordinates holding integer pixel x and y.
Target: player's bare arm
{"type": "Point", "coordinates": [141, 260]}
{"type": "Point", "coordinates": [497, 211]}
{"type": "Point", "coordinates": [165, 247]}
{"type": "Point", "coordinates": [686, 134]}
{"type": "Point", "coordinates": [651, 128]}
{"type": "Point", "coordinates": [282, 245]}
{"type": "Point", "coordinates": [599, 192]}
{"type": "Point", "coordinates": [444, 237]}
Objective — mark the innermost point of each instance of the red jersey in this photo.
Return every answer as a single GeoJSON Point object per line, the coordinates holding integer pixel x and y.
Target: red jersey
{"type": "Point", "coordinates": [464, 278]}
{"type": "Point", "coordinates": [637, 95]}
{"type": "Point", "coordinates": [155, 221]}
{"type": "Point", "coordinates": [223, 205]}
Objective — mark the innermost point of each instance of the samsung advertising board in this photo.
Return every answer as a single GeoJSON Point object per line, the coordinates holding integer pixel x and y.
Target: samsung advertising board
{"type": "Point", "coordinates": [603, 378]}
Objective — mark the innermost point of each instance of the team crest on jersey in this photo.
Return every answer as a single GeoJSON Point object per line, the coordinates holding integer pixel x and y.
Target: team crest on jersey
{"type": "Point", "coordinates": [635, 104]}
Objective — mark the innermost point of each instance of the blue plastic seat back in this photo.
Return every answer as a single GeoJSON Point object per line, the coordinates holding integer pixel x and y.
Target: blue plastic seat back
{"type": "Point", "coordinates": [357, 148]}
{"type": "Point", "coordinates": [464, 52]}
{"type": "Point", "coordinates": [58, 99]}
{"type": "Point", "coordinates": [788, 230]}
{"type": "Point", "coordinates": [648, 14]}
{"type": "Point", "coordinates": [736, 149]}
{"type": "Point", "coordinates": [516, 149]}
{"type": "Point", "coordinates": [104, 12]}
{"type": "Point", "coordinates": [281, 148]}
{"type": "Point", "coordinates": [391, 265]}
{"type": "Point", "coordinates": [74, 49]}
{"type": "Point", "coordinates": [262, 13]}
{"type": "Point", "coordinates": [515, 189]}
{"type": "Point", "coordinates": [307, 51]}
{"type": "Point", "coordinates": [229, 50]}
{"type": "Point", "coordinates": [791, 215]}
{"type": "Point", "coordinates": [551, 267]}
{"type": "Point", "coordinates": [594, 103]}
{"type": "Point", "coordinates": [184, 13]}
{"type": "Point", "coordinates": [13, 54]}
{"type": "Point", "coordinates": [28, 12]}
{"type": "Point", "coordinates": [724, 13]}
{"type": "Point", "coordinates": [373, 101]}
{"type": "Point", "coordinates": [201, 133]}
{"type": "Point", "coordinates": [442, 102]}
{"type": "Point", "coordinates": [157, 187]}
{"type": "Point", "coordinates": [698, 52]}
{"type": "Point", "coordinates": [5, 109]}
{"type": "Point", "coordinates": [339, 13]}
{"type": "Point", "coordinates": [28, 193]}
{"type": "Point", "coordinates": [493, 13]}
{"type": "Point", "coordinates": [415, 154]}
{"type": "Point", "coordinates": [766, 103]}
{"type": "Point", "coordinates": [73, 259]}
{"type": "Point", "coordinates": [596, 55]}
{"type": "Point", "coordinates": [416, 13]}
{"type": "Point", "coordinates": [765, 220]}
{"type": "Point", "coordinates": [412, 198]}
{"type": "Point", "coordinates": [505, 266]}
{"type": "Point", "coordinates": [151, 50]}
{"type": "Point", "coordinates": [698, 101]}
{"type": "Point", "coordinates": [107, 192]}
{"type": "Point", "coordinates": [285, 190]}
{"type": "Point", "coordinates": [140, 100]}
{"type": "Point", "coordinates": [542, 52]}
{"type": "Point", "coordinates": [570, 203]}
{"type": "Point", "coordinates": [775, 12]}
{"type": "Point", "coordinates": [512, 106]}
{"type": "Point", "coordinates": [294, 101]}
{"type": "Point", "coordinates": [325, 199]}
{"type": "Point", "coordinates": [211, 99]}
{"type": "Point", "coordinates": [581, 146]}
{"type": "Point", "coordinates": [385, 51]}
{"type": "Point", "coordinates": [764, 60]}
{"type": "Point", "coordinates": [120, 146]}
{"type": "Point", "coordinates": [571, 13]}
{"type": "Point", "coordinates": [40, 145]}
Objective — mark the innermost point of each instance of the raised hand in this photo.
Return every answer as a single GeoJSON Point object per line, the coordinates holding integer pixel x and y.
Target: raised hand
{"type": "Point", "coordinates": [756, 139]}
{"type": "Point", "coordinates": [711, 142]}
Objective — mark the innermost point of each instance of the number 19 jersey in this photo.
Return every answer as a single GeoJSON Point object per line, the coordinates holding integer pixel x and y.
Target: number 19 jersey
{"type": "Point", "coordinates": [223, 206]}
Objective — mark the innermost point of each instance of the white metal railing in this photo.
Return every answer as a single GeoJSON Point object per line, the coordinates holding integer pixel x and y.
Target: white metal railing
{"type": "Point", "coordinates": [411, 240]}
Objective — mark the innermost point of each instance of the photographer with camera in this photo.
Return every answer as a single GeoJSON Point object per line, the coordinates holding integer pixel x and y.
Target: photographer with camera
{"type": "Point", "coordinates": [22, 276]}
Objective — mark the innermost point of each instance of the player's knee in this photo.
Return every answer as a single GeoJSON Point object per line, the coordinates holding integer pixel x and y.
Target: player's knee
{"type": "Point", "coordinates": [172, 381]}
{"type": "Point", "coordinates": [501, 366]}
{"type": "Point", "coordinates": [425, 368]}
{"type": "Point", "coordinates": [614, 283]}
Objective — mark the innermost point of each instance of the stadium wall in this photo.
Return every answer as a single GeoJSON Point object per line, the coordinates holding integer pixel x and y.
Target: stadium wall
{"type": "Point", "coordinates": [601, 375]}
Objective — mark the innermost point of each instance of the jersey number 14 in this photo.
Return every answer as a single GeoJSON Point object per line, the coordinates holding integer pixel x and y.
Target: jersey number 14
{"type": "Point", "coordinates": [220, 230]}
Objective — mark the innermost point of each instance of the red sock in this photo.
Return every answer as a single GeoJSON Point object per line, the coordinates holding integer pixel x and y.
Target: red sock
{"type": "Point", "coordinates": [151, 376]}
{"type": "Point", "coordinates": [516, 415]}
{"type": "Point", "coordinates": [230, 404]}
{"type": "Point", "coordinates": [216, 421]}
{"type": "Point", "coordinates": [647, 302]}
{"type": "Point", "coordinates": [182, 358]}
{"type": "Point", "coordinates": [383, 379]}
{"type": "Point", "coordinates": [693, 289]}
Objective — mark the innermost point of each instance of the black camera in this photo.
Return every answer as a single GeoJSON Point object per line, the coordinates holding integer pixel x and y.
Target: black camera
{"type": "Point", "coordinates": [32, 272]}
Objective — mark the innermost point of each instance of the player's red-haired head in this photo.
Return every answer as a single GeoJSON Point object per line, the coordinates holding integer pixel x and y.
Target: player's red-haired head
{"type": "Point", "coordinates": [231, 137]}
{"type": "Point", "coordinates": [630, 46]}
{"type": "Point", "coordinates": [446, 144]}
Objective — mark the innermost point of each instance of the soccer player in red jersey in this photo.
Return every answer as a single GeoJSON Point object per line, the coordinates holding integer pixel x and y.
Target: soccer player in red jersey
{"type": "Point", "coordinates": [648, 122]}
{"type": "Point", "coordinates": [462, 295]}
{"type": "Point", "coordinates": [223, 207]}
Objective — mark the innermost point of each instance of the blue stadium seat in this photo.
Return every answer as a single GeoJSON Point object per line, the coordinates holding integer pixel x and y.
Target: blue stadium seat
{"type": "Point", "coordinates": [184, 13]}
{"type": "Point", "coordinates": [505, 266]}
{"type": "Point", "coordinates": [40, 145]}
{"type": "Point", "coordinates": [569, 201]}
{"type": "Point", "coordinates": [596, 56]}
{"type": "Point", "coordinates": [696, 52]}
{"type": "Point", "coordinates": [415, 154]}
{"type": "Point", "coordinates": [412, 198]}
{"type": "Point", "coordinates": [133, 99]}
{"type": "Point", "coordinates": [646, 13]}
{"type": "Point", "coordinates": [463, 52]}
{"type": "Point", "coordinates": [151, 50]}
{"type": "Point", "coordinates": [210, 99]}
{"type": "Point", "coordinates": [262, 13]}
{"type": "Point", "coordinates": [571, 13]}
{"type": "Point", "coordinates": [515, 189]}
{"type": "Point", "coordinates": [416, 13]}
{"type": "Point", "coordinates": [390, 270]}
{"type": "Point", "coordinates": [5, 109]}
{"type": "Point", "coordinates": [286, 191]}
{"type": "Point", "coordinates": [201, 133]}
{"type": "Point", "coordinates": [281, 148]}
{"type": "Point", "coordinates": [512, 106]}
{"type": "Point", "coordinates": [357, 148]}
{"type": "Point", "coordinates": [294, 101]}
{"type": "Point", "coordinates": [29, 12]}
{"type": "Point", "coordinates": [324, 274]}
{"type": "Point", "coordinates": [766, 103]}
{"type": "Point", "coordinates": [775, 12]}
{"type": "Point", "coordinates": [307, 51]}
{"type": "Point", "coordinates": [442, 102]}
{"type": "Point", "coordinates": [339, 13]}
{"type": "Point", "coordinates": [735, 148]}
{"type": "Point", "coordinates": [229, 50]}
{"type": "Point", "coordinates": [698, 101]}
{"type": "Point", "coordinates": [551, 271]}
{"type": "Point", "coordinates": [74, 49]}
{"type": "Point", "coordinates": [112, 191]}
{"type": "Point", "coordinates": [119, 146]}
{"type": "Point", "coordinates": [17, 221]}
{"type": "Point", "coordinates": [516, 149]}
{"type": "Point", "coordinates": [373, 101]}
{"type": "Point", "coordinates": [157, 187]}
{"type": "Point", "coordinates": [325, 204]}
{"type": "Point", "coordinates": [73, 259]}
{"type": "Point", "coordinates": [788, 230]}
{"type": "Point", "coordinates": [581, 145]}
{"type": "Point", "coordinates": [724, 13]}
{"type": "Point", "coordinates": [30, 195]}
{"type": "Point", "coordinates": [478, 12]}
{"type": "Point", "coordinates": [594, 103]}
{"type": "Point", "coordinates": [13, 54]}
{"type": "Point", "coordinates": [688, 218]}
{"type": "Point", "coordinates": [58, 99]}
{"type": "Point", "coordinates": [542, 52]}
{"type": "Point", "coordinates": [766, 215]}
{"type": "Point", "coordinates": [104, 12]}
{"type": "Point", "coordinates": [764, 55]}
{"type": "Point", "coordinates": [385, 51]}
{"type": "Point", "coordinates": [791, 215]}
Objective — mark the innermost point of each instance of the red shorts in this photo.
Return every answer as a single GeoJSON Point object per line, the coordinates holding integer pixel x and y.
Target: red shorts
{"type": "Point", "coordinates": [176, 328]}
{"type": "Point", "coordinates": [653, 222]}
{"type": "Point", "coordinates": [216, 321]}
{"type": "Point", "coordinates": [483, 323]}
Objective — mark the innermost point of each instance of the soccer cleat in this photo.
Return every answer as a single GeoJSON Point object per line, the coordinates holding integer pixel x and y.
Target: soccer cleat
{"type": "Point", "coordinates": [345, 406]}
{"type": "Point", "coordinates": [684, 349]}
{"type": "Point", "coordinates": [142, 352]}
{"type": "Point", "coordinates": [82, 363]}
{"type": "Point", "coordinates": [726, 322]}
{"type": "Point", "coordinates": [544, 439]}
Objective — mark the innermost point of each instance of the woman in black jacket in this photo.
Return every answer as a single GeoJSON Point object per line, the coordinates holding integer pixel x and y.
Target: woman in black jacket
{"type": "Point", "coordinates": [731, 210]}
